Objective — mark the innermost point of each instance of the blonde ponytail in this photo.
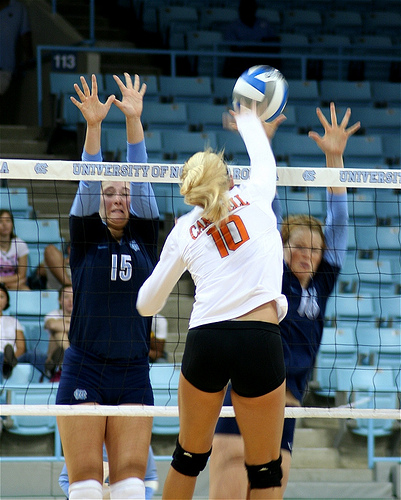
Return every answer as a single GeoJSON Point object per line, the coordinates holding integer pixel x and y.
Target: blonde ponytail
{"type": "Point", "coordinates": [205, 182]}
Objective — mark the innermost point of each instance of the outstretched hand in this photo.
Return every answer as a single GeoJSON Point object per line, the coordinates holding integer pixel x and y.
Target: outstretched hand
{"type": "Point", "coordinates": [131, 103]}
{"type": "Point", "coordinates": [270, 128]}
{"type": "Point", "coordinates": [335, 137]}
{"type": "Point", "coordinates": [89, 104]}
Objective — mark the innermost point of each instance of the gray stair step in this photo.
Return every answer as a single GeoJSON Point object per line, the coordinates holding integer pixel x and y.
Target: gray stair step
{"type": "Point", "coordinates": [312, 438]}
{"type": "Point", "coordinates": [25, 146]}
{"type": "Point", "coordinates": [330, 475]}
{"type": "Point", "coordinates": [307, 458]}
{"type": "Point", "coordinates": [336, 491]}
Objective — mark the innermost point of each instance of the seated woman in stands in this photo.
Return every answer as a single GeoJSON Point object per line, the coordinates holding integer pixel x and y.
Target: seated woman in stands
{"type": "Point", "coordinates": [13, 254]}
{"type": "Point", "coordinates": [12, 340]}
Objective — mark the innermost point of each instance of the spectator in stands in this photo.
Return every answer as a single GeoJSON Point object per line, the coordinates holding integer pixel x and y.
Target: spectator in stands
{"type": "Point", "coordinates": [113, 230]}
{"type": "Point", "coordinates": [151, 477]}
{"type": "Point", "coordinates": [246, 29]}
{"type": "Point", "coordinates": [57, 323]}
{"type": "Point", "coordinates": [312, 263]}
{"type": "Point", "coordinates": [158, 337]}
{"type": "Point", "coordinates": [16, 52]}
{"type": "Point", "coordinates": [55, 272]}
{"type": "Point", "coordinates": [13, 254]}
{"type": "Point", "coordinates": [12, 340]}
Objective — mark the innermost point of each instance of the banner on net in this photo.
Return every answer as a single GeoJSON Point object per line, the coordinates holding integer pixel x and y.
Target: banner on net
{"type": "Point", "coordinates": [170, 173]}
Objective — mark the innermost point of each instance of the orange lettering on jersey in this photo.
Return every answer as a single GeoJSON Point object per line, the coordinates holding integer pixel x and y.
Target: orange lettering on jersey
{"type": "Point", "coordinates": [200, 225]}
{"type": "Point", "coordinates": [237, 202]}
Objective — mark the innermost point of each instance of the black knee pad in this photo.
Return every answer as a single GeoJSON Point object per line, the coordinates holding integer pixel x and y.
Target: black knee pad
{"type": "Point", "coordinates": [266, 475]}
{"type": "Point", "coordinates": [189, 464]}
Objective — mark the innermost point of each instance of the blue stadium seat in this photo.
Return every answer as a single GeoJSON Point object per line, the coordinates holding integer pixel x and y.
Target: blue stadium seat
{"type": "Point", "coordinates": [386, 92]}
{"type": "Point", "coordinates": [377, 45]}
{"type": "Point", "coordinates": [32, 394]}
{"type": "Point", "coordinates": [164, 378]}
{"type": "Point", "coordinates": [153, 141]}
{"type": "Point", "coordinates": [222, 89]}
{"type": "Point", "coordinates": [343, 22]}
{"type": "Point", "coordinates": [345, 93]}
{"type": "Point", "coordinates": [304, 92]}
{"type": "Point", "coordinates": [234, 147]}
{"type": "Point", "coordinates": [180, 145]}
{"type": "Point", "coordinates": [293, 44]}
{"type": "Point", "coordinates": [368, 387]}
{"type": "Point", "coordinates": [31, 304]}
{"type": "Point", "coordinates": [373, 276]}
{"type": "Point", "coordinates": [63, 83]}
{"type": "Point", "coordinates": [388, 310]}
{"type": "Point", "coordinates": [41, 232]}
{"type": "Point", "coordinates": [365, 152]}
{"type": "Point", "coordinates": [177, 18]}
{"type": "Point", "coordinates": [392, 148]}
{"type": "Point", "coordinates": [203, 40]}
{"type": "Point", "coordinates": [337, 351]}
{"type": "Point", "coordinates": [164, 198]}
{"type": "Point", "coordinates": [361, 206]}
{"type": "Point", "coordinates": [304, 21]}
{"type": "Point", "coordinates": [388, 205]}
{"type": "Point", "coordinates": [15, 200]}
{"type": "Point", "coordinates": [311, 201]}
{"type": "Point", "coordinates": [165, 115]}
{"type": "Point", "coordinates": [114, 140]}
{"type": "Point", "coordinates": [186, 88]}
{"type": "Point", "coordinates": [206, 116]}
{"type": "Point", "coordinates": [347, 309]}
{"type": "Point", "coordinates": [387, 22]}
{"type": "Point", "coordinates": [378, 120]}
{"type": "Point", "coordinates": [217, 18]}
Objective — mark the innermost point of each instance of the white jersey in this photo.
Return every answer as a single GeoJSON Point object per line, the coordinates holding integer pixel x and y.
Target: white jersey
{"type": "Point", "coordinates": [236, 267]}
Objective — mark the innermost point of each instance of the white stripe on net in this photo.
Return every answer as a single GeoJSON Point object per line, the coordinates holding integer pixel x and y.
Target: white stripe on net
{"type": "Point", "coordinates": [169, 173]}
{"type": "Point", "coordinates": [172, 411]}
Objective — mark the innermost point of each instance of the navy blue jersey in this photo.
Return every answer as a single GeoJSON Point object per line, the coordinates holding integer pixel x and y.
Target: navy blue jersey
{"type": "Point", "coordinates": [302, 328]}
{"type": "Point", "coordinates": [106, 277]}
{"type": "Point", "coordinates": [301, 335]}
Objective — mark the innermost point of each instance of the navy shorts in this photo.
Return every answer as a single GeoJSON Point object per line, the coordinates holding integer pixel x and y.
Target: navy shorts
{"type": "Point", "coordinates": [228, 425]}
{"type": "Point", "coordinates": [249, 353]}
{"type": "Point", "coordinates": [85, 378]}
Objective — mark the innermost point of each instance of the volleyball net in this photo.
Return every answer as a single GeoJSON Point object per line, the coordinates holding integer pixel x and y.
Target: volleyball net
{"type": "Point", "coordinates": [357, 371]}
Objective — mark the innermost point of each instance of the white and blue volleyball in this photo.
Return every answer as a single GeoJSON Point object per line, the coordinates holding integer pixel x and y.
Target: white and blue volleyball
{"type": "Point", "coordinates": [264, 85]}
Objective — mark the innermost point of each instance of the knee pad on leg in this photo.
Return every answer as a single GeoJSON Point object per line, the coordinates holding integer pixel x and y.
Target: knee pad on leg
{"type": "Point", "coordinates": [266, 475]}
{"type": "Point", "coordinates": [82, 490]}
{"type": "Point", "coordinates": [132, 487]}
{"type": "Point", "coordinates": [187, 463]}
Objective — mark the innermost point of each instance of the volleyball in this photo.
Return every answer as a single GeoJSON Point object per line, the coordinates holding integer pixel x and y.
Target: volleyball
{"type": "Point", "coordinates": [264, 85]}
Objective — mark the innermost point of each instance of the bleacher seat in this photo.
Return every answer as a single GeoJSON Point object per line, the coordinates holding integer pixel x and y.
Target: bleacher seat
{"type": "Point", "coordinates": [378, 120]}
{"type": "Point", "coordinates": [177, 18]}
{"type": "Point", "coordinates": [206, 116]}
{"type": "Point", "coordinates": [293, 44]}
{"type": "Point", "coordinates": [16, 201]}
{"type": "Point", "coordinates": [388, 309]}
{"type": "Point", "coordinates": [388, 93]}
{"type": "Point", "coordinates": [373, 276]}
{"type": "Point", "coordinates": [114, 141]}
{"type": "Point", "coordinates": [383, 22]}
{"type": "Point", "coordinates": [368, 387]}
{"type": "Point", "coordinates": [164, 378]}
{"type": "Point", "coordinates": [304, 21]}
{"type": "Point", "coordinates": [300, 149]}
{"type": "Point", "coordinates": [32, 394]}
{"type": "Point", "coordinates": [376, 45]}
{"type": "Point", "coordinates": [223, 89]}
{"type": "Point", "coordinates": [345, 93]}
{"type": "Point", "coordinates": [392, 148]}
{"type": "Point", "coordinates": [312, 201]}
{"type": "Point", "coordinates": [233, 145]}
{"type": "Point", "coordinates": [337, 351]}
{"type": "Point", "coordinates": [203, 40]}
{"type": "Point", "coordinates": [361, 206]}
{"type": "Point", "coordinates": [331, 45]}
{"type": "Point", "coordinates": [365, 152]}
{"type": "Point", "coordinates": [31, 304]}
{"type": "Point", "coordinates": [165, 115]}
{"type": "Point", "coordinates": [217, 18]}
{"type": "Point", "coordinates": [346, 309]}
{"type": "Point", "coordinates": [388, 205]}
{"type": "Point", "coordinates": [153, 141]}
{"type": "Point", "coordinates": [180, 145]}
{"type": "Point", "coordinates": [186, 88]}
{"type": "Point", "coordinates": [343, 22]}
{"type": "Point", "coordinates": [304, 92]}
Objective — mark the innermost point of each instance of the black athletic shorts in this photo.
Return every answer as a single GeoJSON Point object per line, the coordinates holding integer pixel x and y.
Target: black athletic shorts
{"type": "Point", "coordinates": [249, 353]}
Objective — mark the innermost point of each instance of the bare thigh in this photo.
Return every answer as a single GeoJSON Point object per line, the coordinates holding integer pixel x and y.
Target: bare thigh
{"type": "Point", "coordinates": [199, 412]}
{"type": "Point", "coordinates": [261, 423]}
{"type": "Point", "coordinates": [82, 438]}
{"type": "Point", "coordinates": [127, 443]}
{"type": "Point", "coordinates": [227, 475]}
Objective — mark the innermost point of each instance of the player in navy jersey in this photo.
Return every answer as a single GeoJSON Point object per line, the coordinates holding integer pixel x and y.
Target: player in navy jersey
{"type": "Point", "coordinates": [312, 263]}
{"type": "Point", "coordinates": [113, 231]}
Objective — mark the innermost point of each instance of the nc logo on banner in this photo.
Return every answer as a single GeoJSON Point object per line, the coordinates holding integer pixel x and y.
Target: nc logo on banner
{"type": "Point", "coordinates": [41, 168]}
{"type": "Point", "coordinates": [309, 175]}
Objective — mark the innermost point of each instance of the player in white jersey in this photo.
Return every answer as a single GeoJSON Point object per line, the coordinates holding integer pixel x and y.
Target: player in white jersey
{"type": "Point", "coordinates": [232, 248]}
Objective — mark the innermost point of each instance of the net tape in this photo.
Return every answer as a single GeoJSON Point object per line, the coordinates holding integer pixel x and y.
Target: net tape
{"type": "Point", "coordinates": [170, 173]}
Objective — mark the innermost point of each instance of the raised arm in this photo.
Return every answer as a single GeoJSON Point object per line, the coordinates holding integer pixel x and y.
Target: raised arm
{"type": "Point", "coordinates": [143, 201]}
{"type": "Point", "coordinates": [333, 144]}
